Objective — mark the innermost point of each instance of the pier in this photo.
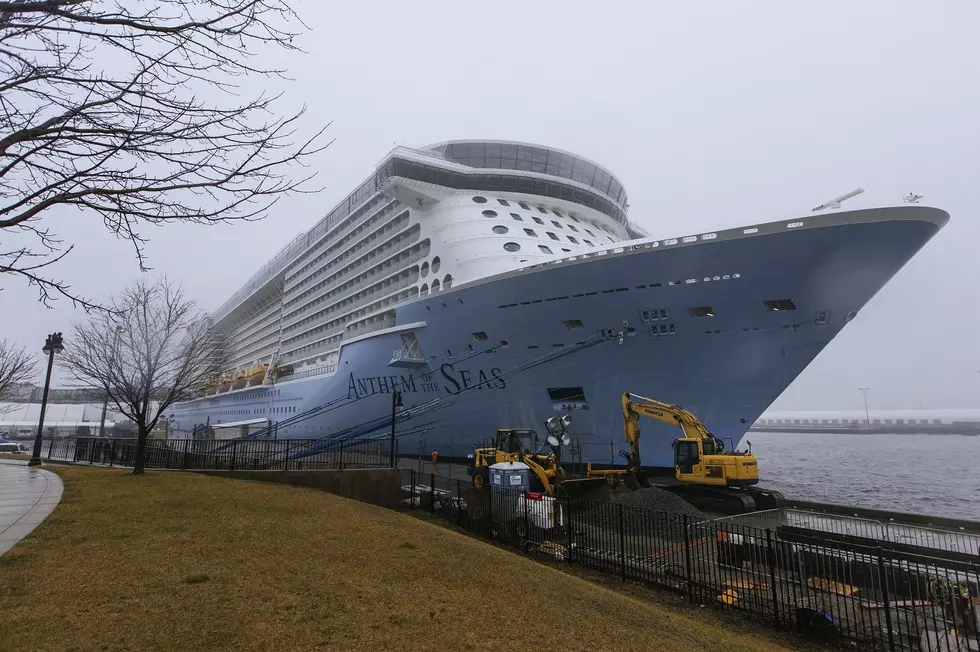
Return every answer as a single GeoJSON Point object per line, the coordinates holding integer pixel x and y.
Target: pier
{"type": "Point", "coordinates": [872, 422]}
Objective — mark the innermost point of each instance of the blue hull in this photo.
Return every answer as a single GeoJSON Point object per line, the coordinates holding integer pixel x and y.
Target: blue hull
{"type": "Point", "coordinates": [585, 329]}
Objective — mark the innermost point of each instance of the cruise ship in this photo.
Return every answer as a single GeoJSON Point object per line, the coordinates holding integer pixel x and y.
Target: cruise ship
{"type": "Point", "coordinates": [474, 285]}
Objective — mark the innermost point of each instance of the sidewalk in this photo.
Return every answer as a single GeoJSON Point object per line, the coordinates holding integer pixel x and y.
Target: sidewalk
{"type": "Point", "coordinates": [27, 496]}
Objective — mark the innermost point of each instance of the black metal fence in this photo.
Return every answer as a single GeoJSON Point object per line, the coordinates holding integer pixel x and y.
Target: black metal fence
{"type": "Point", "coordinates": [228, 455]}
{"type": "Point", "coordinates": [843, 588]}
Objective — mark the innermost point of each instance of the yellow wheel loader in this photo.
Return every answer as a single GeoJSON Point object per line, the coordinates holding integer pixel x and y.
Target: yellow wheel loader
{"type": "Point", "coordinates": [521, 445]}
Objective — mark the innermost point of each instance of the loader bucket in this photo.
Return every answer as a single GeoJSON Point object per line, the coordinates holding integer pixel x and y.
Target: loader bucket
{"type": "Point", "coordinates": [580, 488]}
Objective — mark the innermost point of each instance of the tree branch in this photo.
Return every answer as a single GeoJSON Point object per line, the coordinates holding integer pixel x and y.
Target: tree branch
{"type": "Point", "coordinates": [138, 140]}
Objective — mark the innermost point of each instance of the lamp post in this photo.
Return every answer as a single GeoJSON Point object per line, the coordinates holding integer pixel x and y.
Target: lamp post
{"type": "Point", "coordinates": [396, 402]}
{"type": "Point", "coordinates": [867, 415]}
{"type": "Point", "coordinates": [51, 346]}
{"type": "Point", "coordinates": [105, 402]}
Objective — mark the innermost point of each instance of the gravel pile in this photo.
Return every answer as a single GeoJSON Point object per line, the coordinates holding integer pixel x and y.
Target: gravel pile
{"type": "Point", "coordinates": [647, 498]}
{"type": "Point", "coordinates": [599, 518]}
{"type": "Point", "coordinates": [658, 499]}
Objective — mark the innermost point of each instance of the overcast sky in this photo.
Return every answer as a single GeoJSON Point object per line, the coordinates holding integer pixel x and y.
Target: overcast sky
{"type": "Point", "coordinates": [713, 114]}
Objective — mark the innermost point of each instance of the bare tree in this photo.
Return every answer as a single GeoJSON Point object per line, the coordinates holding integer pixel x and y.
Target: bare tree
{"type": "Point", "coordinates": [17, 368]}
{"type": "Point", "coordinates": [151, 349]}
{"type": "Point", "coordinates": [127, 111]}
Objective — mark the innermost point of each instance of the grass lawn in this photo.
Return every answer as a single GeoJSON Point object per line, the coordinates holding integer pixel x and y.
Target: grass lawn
{"type": "Point", "coordinates": [176, 561]}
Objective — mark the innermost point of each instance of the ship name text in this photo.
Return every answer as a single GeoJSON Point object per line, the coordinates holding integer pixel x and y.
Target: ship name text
{"type": "Point", "coordinates": [449, 379]}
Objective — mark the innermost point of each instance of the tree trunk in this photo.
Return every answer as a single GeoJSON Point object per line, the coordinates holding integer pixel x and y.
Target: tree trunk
{"type": "Point", "coordinates": [140, 449]}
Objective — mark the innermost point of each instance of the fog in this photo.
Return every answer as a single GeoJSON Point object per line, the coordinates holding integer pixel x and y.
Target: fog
{"type": "Point", "coordinates": [713, 116]}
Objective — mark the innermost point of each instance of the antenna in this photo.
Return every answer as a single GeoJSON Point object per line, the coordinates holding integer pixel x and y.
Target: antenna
{"type": "Point", "coordinates": [911, 198]}
{"type": "Point", "coordinates": [835, 202]}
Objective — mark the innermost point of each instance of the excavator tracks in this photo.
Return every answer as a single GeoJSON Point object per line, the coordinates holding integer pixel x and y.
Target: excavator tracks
{"type": "Point", "coordinates": [727, 501]}
{"type": "Point", "coordinates": [766, 498]}
{"type": "Point", "coordinates": [715, 499]}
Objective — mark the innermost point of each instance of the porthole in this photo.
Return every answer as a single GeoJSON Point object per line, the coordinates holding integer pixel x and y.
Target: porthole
{"type": "Point", "coordinates": [435, 285]}
{"type": "Point", "coordinates": [489, 213]}
{"type": "Point", "coordinates": [425, 269]}
{"type": "Point", "coordinates": [424, 289]}
{"type": "Point", "coordinates": [501, 229]}
{"type": "Point", "coordinates": [435, 264]}
{"type": "Point", "coordinates": [480, 200]}
{"type": "Point", "coordinates": [447, 282]}
{"type": "Point", "coordinates": [512, 246]}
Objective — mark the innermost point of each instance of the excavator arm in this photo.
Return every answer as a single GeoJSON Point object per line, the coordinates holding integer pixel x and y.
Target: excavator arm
{"type": "Point", "coordinates": [635, 405]}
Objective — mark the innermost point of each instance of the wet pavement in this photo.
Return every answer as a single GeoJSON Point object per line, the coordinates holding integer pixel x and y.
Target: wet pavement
{"type": "Point", "coordinates": [27, 496]}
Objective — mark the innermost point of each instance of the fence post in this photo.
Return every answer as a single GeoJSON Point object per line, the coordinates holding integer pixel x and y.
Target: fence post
{"type": "Point", "coordinates": [234, 451]}
{"type": "Point", "coordinates": [883, 580]}
{"type": "Point", "coordinates": [771, 563]}
{"type": "Point", "coordinates": [568, 519]}
{"type": "Point", "coordinates": [74, 453]}
{"type": "Point", "coordinates": [527, 531]}
{"type": "Point", "coordinates": [91, 451]}
{"type": "Point", "coordinates": [50, 448]}
{"type": "Point", "coordinates": [183, 458]}
{"type": "Point", "coordinates": [112, 450]}
{"type": "Point", "coordinates": [459, 498]}
{"type": "Point", "coordinates": [489, 490]}
{"type": "Point", "coordinates": [414, 490]}
{"type": "Point", "coordinates": [622, 542]}
{"type": "Point", "coordinates": [687, 560]}
{"type": "Point", "coordinates": [432, 492]}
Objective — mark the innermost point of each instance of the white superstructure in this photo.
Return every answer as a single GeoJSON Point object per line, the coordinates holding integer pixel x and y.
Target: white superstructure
{"type": "Point", "coordinates": [338, 280]}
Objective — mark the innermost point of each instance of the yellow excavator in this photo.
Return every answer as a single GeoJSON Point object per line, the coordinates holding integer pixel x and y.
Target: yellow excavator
{"type": "Point", "coordinates": [705, 474]}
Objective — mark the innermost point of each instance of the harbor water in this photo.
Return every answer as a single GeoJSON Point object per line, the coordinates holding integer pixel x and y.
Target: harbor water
{"type": "Point", "coordinates": [925, 474]}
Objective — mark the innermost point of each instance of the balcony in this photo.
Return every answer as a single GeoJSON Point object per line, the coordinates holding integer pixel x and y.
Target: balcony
{"type": "Point", "coordinates": [408, 358]}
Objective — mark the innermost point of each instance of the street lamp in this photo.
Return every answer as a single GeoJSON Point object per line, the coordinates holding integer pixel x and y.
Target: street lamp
{"type": "Point", "coordinates": [867, 415]}
{"type": "Point", "coordinates": [396, 402]}
{"type": "Point", "coordinates": [51, 346]}
{"type": "Point", "coordinates": [105, 401]}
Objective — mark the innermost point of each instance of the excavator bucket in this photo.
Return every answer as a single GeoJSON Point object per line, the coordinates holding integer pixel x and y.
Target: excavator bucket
{"type": "Point", "coordinates": [636, 479]}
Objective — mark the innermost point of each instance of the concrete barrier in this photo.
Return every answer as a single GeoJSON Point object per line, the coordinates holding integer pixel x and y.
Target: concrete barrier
{"type": "Point", "coordinates": [376, 486]}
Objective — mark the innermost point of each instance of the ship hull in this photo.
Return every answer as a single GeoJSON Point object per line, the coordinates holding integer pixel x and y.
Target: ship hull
{"type": "Point", "coordinates": [686, 324]}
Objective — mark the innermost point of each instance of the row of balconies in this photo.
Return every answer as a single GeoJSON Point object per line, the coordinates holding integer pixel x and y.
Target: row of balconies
{"type": "Point", "coordinates": [334, 284]}
{"type": "Point", "coordinates": [341, 228]}
{"type": "Point", "coordinates": [349, 292]}
{"type": "Point", "coordinates": [408, 278]}
{"type": "Point", "coordinates": [334, 250]}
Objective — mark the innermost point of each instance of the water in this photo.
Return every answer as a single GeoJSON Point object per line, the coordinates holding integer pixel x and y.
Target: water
{"type": "Point", "coordinates": [925, 474]}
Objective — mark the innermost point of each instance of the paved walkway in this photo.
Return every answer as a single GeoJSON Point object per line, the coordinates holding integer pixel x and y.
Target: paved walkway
{"type": "Point", "coordinates": [27, 496]}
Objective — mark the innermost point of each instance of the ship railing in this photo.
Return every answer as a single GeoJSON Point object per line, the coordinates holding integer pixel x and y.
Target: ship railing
{"type": "Point", "coordinates": [267, 271]}
{"type": "Point", "coordinates": [412, 353]}
{"type": "Point", "coordinates": [307, 373]}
